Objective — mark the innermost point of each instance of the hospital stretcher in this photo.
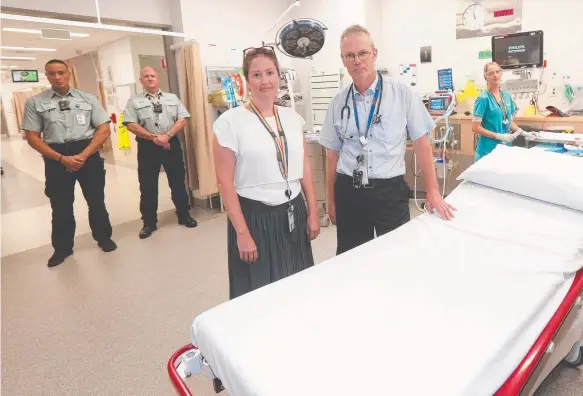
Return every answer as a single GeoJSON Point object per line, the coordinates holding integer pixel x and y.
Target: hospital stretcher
{"type": "Point", "coordinates": [547, 352]}
{"type": "Point", "coordinates": [499, 320]}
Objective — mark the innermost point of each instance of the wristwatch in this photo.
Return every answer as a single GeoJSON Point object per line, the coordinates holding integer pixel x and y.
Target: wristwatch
{"type": "Point", "coordinates": [169, 134]}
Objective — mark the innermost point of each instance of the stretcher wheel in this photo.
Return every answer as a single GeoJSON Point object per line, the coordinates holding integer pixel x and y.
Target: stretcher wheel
{"type": "Point", "coordinates": [577, 362]}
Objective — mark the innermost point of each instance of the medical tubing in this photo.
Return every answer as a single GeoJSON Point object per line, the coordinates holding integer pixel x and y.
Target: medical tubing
{"type": "Point", "coordinates": [416, 174]}
{"type": "Point", "coordinates": [445, 117]}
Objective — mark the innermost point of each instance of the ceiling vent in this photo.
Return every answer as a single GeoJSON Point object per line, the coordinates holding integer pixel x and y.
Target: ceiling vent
{"type": "Point", "coordinates": [56, 34]}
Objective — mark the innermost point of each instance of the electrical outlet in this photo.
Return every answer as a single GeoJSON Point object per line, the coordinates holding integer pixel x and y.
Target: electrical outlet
{"type": "Point", "coordinates": [554, 91]}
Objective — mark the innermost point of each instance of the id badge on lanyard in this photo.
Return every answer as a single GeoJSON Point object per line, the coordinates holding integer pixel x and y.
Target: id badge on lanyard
{"type": "Point", "coordinates": [360, 174]}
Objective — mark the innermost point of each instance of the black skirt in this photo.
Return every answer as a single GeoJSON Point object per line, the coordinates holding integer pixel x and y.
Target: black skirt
{"type": "Point", "coordinates": [281, 253]}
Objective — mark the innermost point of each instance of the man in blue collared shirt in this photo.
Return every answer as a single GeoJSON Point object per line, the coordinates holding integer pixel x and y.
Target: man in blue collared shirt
{"type": "Point", "coordinates": [68, 127]}
{"type": "Point", "coordinates": [367, 192]}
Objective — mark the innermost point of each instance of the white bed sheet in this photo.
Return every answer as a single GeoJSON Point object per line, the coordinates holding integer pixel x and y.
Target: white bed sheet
{"type": "Point", "coordinates": [434, 308]}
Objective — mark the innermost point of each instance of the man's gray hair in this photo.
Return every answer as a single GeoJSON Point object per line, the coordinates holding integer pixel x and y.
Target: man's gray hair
{"type": "Point", "coordinates": [356, 29]}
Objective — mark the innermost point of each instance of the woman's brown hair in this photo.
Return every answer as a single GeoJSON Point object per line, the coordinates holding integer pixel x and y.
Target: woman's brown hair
{"type": "Point", "coordinates": [251, 53]}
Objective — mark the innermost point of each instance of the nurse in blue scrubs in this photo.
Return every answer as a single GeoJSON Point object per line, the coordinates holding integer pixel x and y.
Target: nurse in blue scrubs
{"type": "Point", "coordinates": [494, 111]}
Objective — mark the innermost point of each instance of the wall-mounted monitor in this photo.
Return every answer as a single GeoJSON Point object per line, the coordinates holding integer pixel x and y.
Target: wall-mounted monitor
{"type": "Point", "coordinates": [24, 76]}
{"type": "Point", "coordinates": [445, 80]}
{"type": "Point", "coordinates": [518, 50]}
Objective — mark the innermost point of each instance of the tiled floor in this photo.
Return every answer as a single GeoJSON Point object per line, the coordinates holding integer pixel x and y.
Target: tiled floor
{"type": "Point", "coordinates": [106, 323]}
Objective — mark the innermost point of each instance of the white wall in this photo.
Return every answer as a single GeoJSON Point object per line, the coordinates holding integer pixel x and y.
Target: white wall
{"type": "Point", "coordinates": [118, 57]}
{"type": "Point", "coordinates": [336, 15]}
{"type": "Point", "coordinates": [232, 26]}
{"type": "Point", "coordinates": [7, 89]}
{"type": "Point", "coordinates": [144, 11]}
{"type": "Point", "coordinates": [409, 24]}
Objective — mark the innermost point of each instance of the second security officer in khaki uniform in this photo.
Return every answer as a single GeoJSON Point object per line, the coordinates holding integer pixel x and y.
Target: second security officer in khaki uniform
{"type": "Point", "coordinates": [156, 117]}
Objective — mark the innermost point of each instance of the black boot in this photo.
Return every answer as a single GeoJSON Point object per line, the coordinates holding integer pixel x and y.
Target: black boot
{"type": "Point", "coordinates": [58, 258]}
{"type": "Point", "coordinates": [146, 231]}
{"type": "Point", "coordinates": [107, 245]}
{"type": "Point", "coordinates": [187, 221]}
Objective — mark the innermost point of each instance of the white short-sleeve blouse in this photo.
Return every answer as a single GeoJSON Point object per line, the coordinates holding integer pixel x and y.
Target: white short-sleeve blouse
{"type": "Point", "coordinates": [257, 174]}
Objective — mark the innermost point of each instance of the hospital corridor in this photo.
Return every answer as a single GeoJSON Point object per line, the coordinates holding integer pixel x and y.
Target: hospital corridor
{"type": "Point", "coordinates": [291, 198]}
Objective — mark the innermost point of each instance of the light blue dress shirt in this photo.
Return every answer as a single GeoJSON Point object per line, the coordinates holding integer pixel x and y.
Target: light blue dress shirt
{"type": "Point", "coordinates": [401, 113]}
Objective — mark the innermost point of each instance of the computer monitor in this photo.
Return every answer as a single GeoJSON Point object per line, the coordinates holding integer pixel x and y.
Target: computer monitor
{"type": "Point", "coordinates": [518, 50]}
{"type": "Point", "coordinates": [445, 80]}
{"type": "Point", "coordinates": [24, 76]}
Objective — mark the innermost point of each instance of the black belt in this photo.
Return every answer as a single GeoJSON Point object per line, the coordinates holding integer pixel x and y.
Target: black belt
{"type": "Point", "coordinates": [70, 148]}
{"type": "Point", "coordinates": [392, 181]}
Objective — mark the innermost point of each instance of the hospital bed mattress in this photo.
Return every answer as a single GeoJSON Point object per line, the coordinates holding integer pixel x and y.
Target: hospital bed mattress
{"type": "Point", "coordinates": [433, 308]}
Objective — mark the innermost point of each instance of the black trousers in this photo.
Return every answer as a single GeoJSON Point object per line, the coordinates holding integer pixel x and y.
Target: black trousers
{"type": "Point", "coordinates": [150, 158]}
{"type": "Point", "coordinates": [60, 188]}
{"type": "Point", "coordinates": [362, 211]}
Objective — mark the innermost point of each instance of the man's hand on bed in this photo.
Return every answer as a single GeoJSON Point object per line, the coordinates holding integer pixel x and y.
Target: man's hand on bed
{"type": "Point", "coordinates": [313, 226]}
{"type": "Point", "coordinates": [247, 247]}
{"type": "Point", "coordinates": [435, 203]}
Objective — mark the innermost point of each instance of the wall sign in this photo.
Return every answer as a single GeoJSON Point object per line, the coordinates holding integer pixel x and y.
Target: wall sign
{"type": "Point", "coordinates": [479, 18]}
{"type": "Point", "coordinates": [425, 54]}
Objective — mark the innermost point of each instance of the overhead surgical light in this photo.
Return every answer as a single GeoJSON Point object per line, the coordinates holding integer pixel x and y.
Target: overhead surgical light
{"type": "Point", "coordinates": [301, 38]}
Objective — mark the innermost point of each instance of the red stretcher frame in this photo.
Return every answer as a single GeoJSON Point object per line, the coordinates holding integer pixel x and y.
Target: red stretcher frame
{"type": "Point", "coordinates": [513, 385]}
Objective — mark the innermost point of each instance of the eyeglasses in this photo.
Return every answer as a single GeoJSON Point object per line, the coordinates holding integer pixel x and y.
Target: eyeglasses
{"type": "Point", "coordinates": [494, 72]}
{"type": "Point", "coordinates": [350, 56]}
{"type": "Point", "coordinates": [266, 49]}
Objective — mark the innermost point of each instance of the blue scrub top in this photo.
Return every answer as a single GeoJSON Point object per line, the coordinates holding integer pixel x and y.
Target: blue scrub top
{"type": "Point", "coordinates": [489, 112]}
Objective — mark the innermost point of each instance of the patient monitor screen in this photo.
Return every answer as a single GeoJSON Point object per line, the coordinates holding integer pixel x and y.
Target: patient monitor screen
{"type": "Point", "coordinates": [437, 104]}
{"type": "Point", "coordinates": [517, 50]}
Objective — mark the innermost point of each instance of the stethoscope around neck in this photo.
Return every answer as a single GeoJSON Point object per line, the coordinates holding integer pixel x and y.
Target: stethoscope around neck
{"type": "Point", "coordinates": [376, 118]}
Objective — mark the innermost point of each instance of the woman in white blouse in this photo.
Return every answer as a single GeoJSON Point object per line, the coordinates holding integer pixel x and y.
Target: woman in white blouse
{"type": "Point", "coordinates": [262, 167]}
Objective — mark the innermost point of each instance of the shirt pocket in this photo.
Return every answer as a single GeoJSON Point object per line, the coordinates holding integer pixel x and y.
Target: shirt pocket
{"type": "Point", "coordinates": [49, 112]}
{"type": "Point", "coordinates": [143, 109]}
{"type": "Point", "coordinates": [171, 108]}
{"type": "Point", "coordinates": [83, 113]}
{"type": "Point", "coordinates": [392, 130]}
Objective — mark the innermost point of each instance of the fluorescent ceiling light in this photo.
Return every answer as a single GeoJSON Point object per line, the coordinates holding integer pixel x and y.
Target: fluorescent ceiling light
{"type": "Point", "coordinates": [28, 49]}
{"type": "Point", "coordinates": [17, 58]}
{"type": "Point", "coordinates": [9, 67]}
{"type": "Point", "coordinates": [37, 31]}
{"type": "Point", "coordinates": [89, 25]}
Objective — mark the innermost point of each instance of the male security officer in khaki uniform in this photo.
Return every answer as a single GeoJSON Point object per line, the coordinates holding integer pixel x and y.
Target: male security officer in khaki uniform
{"type": "Point", "coordinates": [156, 117]}
{"type": "Point", "coordinates": [74, 126]}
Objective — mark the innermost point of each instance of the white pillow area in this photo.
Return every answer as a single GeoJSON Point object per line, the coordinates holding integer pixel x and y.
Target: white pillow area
{"type": "Point", "coordinates": [550, 177]}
